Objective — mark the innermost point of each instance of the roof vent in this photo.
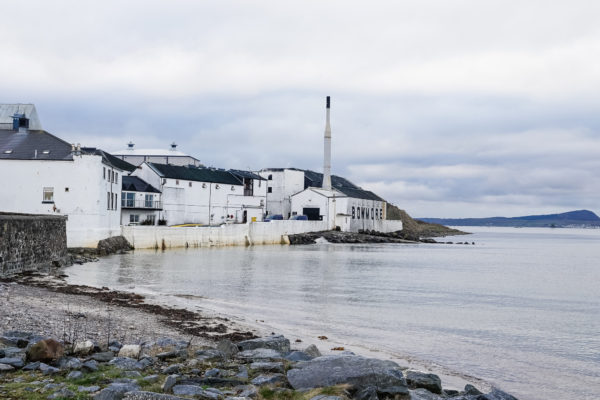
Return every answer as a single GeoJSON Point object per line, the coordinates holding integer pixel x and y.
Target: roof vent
{"type": "Point", "coordinates": [173, 146]}
{"type": "Point", "coordinates": [20, 123]}
{"type": "Point", "coordinates": [8, 151]}
{"type": "Point", "coordinates": [130, 145]}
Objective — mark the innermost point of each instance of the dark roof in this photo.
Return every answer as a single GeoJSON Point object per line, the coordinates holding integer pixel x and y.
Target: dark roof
{"type": "Point", "coordinates": [23, 146]}
{"type": "Point", "coordinates": [246, 174]}
{"type": "Point", "coordinates": [315, 179]}
{"type": "Point", "coordinates": [136, 184]}
{"type": "Point", "coordinates": [199, 174]}
{"type": "Point", "coordinates": [109, 159]}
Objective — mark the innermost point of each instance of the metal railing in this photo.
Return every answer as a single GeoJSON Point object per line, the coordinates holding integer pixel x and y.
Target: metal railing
{"type": "Point", "coordinates": [131, 203]}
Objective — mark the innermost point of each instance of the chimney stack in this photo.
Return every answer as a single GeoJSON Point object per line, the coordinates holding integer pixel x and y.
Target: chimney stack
{"type": "Point", "coordinates": [327, 156]}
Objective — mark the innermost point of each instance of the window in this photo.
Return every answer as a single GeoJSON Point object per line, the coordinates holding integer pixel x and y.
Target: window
{"type": "Point", "coordinates": [149, 200]}
{"type": "Point", "coordinates": [190, 184]}
{"type": "Point", "coordinates": [48, 195]}
{"type": "Point", "coordinates": [104, 173]}
{"type": "Point", "coordinates": [134, 218]}
{"type": "Point", "coordinates": [128, 200]}
{"type": "Point", "coordinates": [108, 200]}
{"type": "Point", "coordinates": [217, 186]}
{"type": "Point", "coordinates": [177, 181]}
{"type": "Point", "coordinates": [117, 177]}
{"type": "Point", "coordinates": [270, 177]}
{"type": "Point", "coordinates": [151, 219]}
{"type": "Point", "coordinates": [116, 201]}
{"type": "Point", "coordinates": [269, 190]}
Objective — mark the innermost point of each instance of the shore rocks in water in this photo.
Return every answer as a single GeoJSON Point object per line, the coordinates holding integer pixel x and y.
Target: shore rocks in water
{"type": "Point", "coordinates": [224, 373]}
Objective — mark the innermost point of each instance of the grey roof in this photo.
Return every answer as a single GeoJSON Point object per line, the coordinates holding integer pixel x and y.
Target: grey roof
{"type": "Point", "coordinates": [109, 159]}
{"type": "Point", "coordinates": [136, 184]}
{"type": "Point", "coordinates": [246, 174]}
{"type": "Point", "coordinates": [23, 146]}
{"type": "Point", "coordinates": [315, 179]}
{"type": "Point", "coordinates": [199, 174]}
{"type": "Point", "coordinates": [8, 110]}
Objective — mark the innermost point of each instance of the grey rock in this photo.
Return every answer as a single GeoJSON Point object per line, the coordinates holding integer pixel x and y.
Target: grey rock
{"type": "Point", "coordinates": [228, 348]}
{"type": "Point", "coordinates": [167, 342]}
{"type": "Point", "coordinates": [275, 342]}
{"type": "Point", "coordinates": [32, 366]}
{"type": "Point", "coordinates": [48, 370]}
{"type": "Point", "coordinates": [151, 378]}
{"type": "Point", "coordinates": [236, 398]}
{"type": "Point", "coordinates": [471, 390]}
{"type": "Point", "coordinates": [13, 352]}
{"type": "Point", "coordinates": [16, 362]}
{"type": "Point", "coordinates": [63, 393]}
{"type": "Point", "coordinates": [115, 344]}
{"type": "Point", "coordinates": [126, 363]}
{"type": "Point", "coordinates": [355, 370]}
{"type": "Point", "coordinates": [170, 354]}
{"type": "Point", "coordinates": [298, 356]}
{"type": "Point", "coordinates": [367, 393]}
{"type": "Point", "coordinates": [431, 382]}
{"type": "Point", "coordinates": [214, 390]}
{"type": "Point", "coordinates": [496, 394]}
{"type": "Point", "coordinates": [172, 369]}
{"type": "Point", "coordinates": [325, 397]}
{"type": "Point", "coordinates": [52, 386]}
{"type": "Point", "coordinates": [242, 372]}
{"type": "Point", "coordinates": [267, 366]}
{"type": "Point", "coordinates": [125, 380]}
{"type": "Point", "coordinates": [132, 374]}
{"type": "Point", "coordinates": [103, 357]}
{"type": "Point", "coordinates": [169, 382]}
{"type": "Point", "coordinates": [88, 389]}
{"type": "Point", "coordinates": [146, 362]}
{"type": "Point", "coordinates": [6, 368]}
{"type": "Point", "coordinates": [74, 375]}
{"type": "Point", "coordinates": [423, 394]}
{"type": "Point", "coordinates": [259, 354]}
{"type": "Point", "coordinates": [196, 391]}
{"type": "Point", "coordinates": [116, 391]}
{"type": "Point", "coordinates": [209, 355]}
{"type": "Point", "coordinates": [312, 351]}
{"type": "Point", "coordinates": [212, 372]}
{"type": "Point", "coordinates": [274, 379]}
{"type": "Point", "coordinates": [84, 347]}
{"type": "Point", "coordinates": [130, 351]}
{"type": "Point", "coordinates": [451, 392]}
{"type": "Point", "coordinates": [2, 354]}
{"type": "Point", "coordinates": [212, 382]}
{"type": "Point", "coordinates": [247, 391]}
{"type": "Point", "coordinates": [70, 363]}
{"type": "Point", "coordinates": [90, 366]}
{"type": "Point", "coordinates": [150, 396]}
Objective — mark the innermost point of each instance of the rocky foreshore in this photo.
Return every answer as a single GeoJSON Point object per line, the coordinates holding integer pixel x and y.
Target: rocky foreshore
{"type": "Point", "coordinates": [270, 368]}
{"type": "Point", "coordinates": [366, 236]}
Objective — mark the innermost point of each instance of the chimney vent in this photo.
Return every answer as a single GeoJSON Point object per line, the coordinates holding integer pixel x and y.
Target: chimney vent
{"type": "Point", "coordinates": [327, 150]}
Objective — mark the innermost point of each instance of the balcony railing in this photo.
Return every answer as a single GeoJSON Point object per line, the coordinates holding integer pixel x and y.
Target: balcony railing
{"type": "Point", "coordinates": [151, 205]}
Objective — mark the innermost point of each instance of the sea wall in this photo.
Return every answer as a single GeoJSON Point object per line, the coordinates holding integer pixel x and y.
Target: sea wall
{"type": "Point", "coordinates": [252, 233]}
{"type": "Point", "coordinates": [31, 242]}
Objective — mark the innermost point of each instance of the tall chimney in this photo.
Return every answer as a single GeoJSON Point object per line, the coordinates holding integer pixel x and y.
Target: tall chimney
{"type": "Point", "coordinates": [327, 155]}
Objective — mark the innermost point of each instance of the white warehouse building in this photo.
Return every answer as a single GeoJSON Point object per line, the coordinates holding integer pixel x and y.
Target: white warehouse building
{"type": "Point", "coordinates": [171, 156]}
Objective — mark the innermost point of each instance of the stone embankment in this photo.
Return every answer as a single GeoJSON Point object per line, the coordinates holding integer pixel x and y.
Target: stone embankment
{"type": "Point", "coordinates": [268, 368]}
{"type": "Point", "coordinates": [363, 237]}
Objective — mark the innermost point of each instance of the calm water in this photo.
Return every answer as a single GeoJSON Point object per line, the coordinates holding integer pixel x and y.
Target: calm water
{"type": "Point", "coordinates": [520, 309]}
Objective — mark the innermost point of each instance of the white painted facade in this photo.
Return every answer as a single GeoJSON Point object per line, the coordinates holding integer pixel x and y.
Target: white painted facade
{"type": "Point", "coordinates": [281, 185]}
{"type": "Point", "coordinates": [84, 189]}
{"type": "Point", "coordinates": [159, 156]}
{"type": "Point", "coordinates": [208, 203]}
{"type": "Point", "coordinates": [139, 207]}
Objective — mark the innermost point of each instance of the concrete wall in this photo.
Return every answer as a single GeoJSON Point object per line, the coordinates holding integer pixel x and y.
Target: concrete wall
{"type": "Point", "coordinates": [81, 191]}
{"type": "Point", "coordinates": [31, 242]}
{"type": "Point", "coordinates": [254, 233]}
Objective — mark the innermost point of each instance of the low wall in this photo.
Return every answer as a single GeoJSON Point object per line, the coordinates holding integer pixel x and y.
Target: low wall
{"type": "Point", "coordinates": [252, 233]}
{"type": "Point", "coordinates": [31, 242]}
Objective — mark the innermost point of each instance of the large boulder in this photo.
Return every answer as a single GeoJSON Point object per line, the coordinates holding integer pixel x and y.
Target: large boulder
{"type": "Point", "coordinates": [275, 342]}
{"type": "Point", "coordinates": [431, 382]}
{"type": "Point", "coordinates": [46, 350]}
{"type": "Point", "coordinates": [130, 351]}
{"type": "Point", "coordinates": [357, 371]}
{"type": "Point", "coordinates": [111, 245]}
{"type": "Point", "coordinates": [496, 394]}
{"type": "Point", "coordinates": [259, 354]}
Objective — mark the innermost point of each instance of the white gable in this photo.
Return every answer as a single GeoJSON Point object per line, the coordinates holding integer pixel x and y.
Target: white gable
{"type": "Point", "coordinates": [8, 110]}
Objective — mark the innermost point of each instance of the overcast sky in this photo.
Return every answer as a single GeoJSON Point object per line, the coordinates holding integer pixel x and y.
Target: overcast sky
{"type": "Point", "coordinates": [445, 108]}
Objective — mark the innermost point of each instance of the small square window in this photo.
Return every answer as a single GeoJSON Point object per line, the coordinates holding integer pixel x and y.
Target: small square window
{"type": "Point", "coordinates": [270, 190]}
{"type": "Point", "coordinates": [190, 184]}
{"type": "Point", "coordinates": [177, 181]}
{"type": "Point", "coordinates": [66, 189]}
{"type": "Point", "coordinates": [48, 195]}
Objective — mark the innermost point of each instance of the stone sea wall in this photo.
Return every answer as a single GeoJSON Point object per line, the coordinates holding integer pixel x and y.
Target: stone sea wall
{"type": "Point", "coordinates": [31, 242]}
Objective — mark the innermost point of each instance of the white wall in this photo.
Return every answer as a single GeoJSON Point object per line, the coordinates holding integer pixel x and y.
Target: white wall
{"type": "Point", "coordinates": [255, 233]}
{"type": "Point", "coordinates": [80, 193]}
{"type": "Point", "coordinates": [139, 207]}
{"type": "Point", "coordinates": [283, 184]}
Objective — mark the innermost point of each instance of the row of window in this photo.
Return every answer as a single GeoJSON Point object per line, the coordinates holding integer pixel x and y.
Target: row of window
{"type": "Point", "coordinates": [112, 175]}
{"type": "Point", "coordinates": [128, 200]}
{"type": "Point", "coordinates": [112, 200]}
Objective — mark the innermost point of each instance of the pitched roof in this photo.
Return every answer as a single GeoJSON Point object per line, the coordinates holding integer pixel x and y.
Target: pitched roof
{"type": "Point", "coordinates": [315, 179]}
{"type": "Point", "coordinates": [136, 184]}
{"type": "Point", "coordinates": [33, 145]}
{"type": "Point", "coordinates": [109, 159]}
{"type": "Point", "coordinates": [246, 174]}
{"type": "Point", "coordinates": [198, 174]}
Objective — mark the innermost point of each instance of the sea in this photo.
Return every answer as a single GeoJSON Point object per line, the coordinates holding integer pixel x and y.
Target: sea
{"type": "Point", "coordinates": [518, 309]}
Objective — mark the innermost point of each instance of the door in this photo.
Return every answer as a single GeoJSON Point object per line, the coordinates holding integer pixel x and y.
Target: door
{"type": "Point", "coordinates": [313, 213]}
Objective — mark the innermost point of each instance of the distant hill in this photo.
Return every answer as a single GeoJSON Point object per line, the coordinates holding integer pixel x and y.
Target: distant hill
{"type": "Point", "coordinates": [580, 218]}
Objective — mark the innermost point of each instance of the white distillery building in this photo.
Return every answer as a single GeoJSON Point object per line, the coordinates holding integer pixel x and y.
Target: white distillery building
{"type": "Point", "coordinates": [46, 175]}
{"type": "Point", "coordinates": [282, 184]}
{"type": "Point", "coordinates": [170, 156]}
{"type": "Point", "coordinates": [140, 202]}
{"type": "Point", "coordinates": [208, 196]}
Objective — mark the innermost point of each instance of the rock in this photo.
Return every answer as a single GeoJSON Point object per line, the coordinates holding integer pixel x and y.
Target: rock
{"type": "Point", "coordinates": [242, 372]}
{"type": "Point", "coordinates": [169, 354]}
{"type": "Point", "coordinates": [88, 389]}
{"type": "Point", "coordinates": [151, 378]}
{"type": "Point", "coordinates": [471, 390]}
{"type": "Point", "coordinates": [84, 347]}
{"type": "Point", "coordinates": [277, 342]}
{"type": "Point", "coordinates": [451, 392]}
{"type": "Point", "coordinates": [267, 367]}
{"type": "Point", "coordinates": [423, 394]}
{"type": "Point", "coordinates": [48, 370]}
{"type": "Point", "coordinates": [259, 354]}
{"type": "Point", "coordinates": [212, 382]}
{"type": "Point", "coordinates": [209, 355]}
{"type": "Point", "coordinates": [46, 350]}
{"type": "Point", "coordinates": [63, 393]}
{"type": "Point", "coordinates": [113, 245]}
{"type": "Point", "coordinates": [355, 370]}
{"type": "Point", "coordinates": [69, 363]}
{"type": "Point", "coordinates": [227, 348]}
{"type": "Point", "coordinates": [6, 368]}
{"type": "Point", "coordinates": [312, 351]}
{"type": "Point", "coordinates": [496, 394]}
{"type": "Point", "coordinates": [74, 375]}
{"type": "Point", "coordinates": [367, 393]}
{"type": "Point", "coordinates": [32, 366]}
{"type": "Point", "coordinates": [114, 346]}
{"type": "Point", "coordinates": [212, 372]}
{"type": "Point", "coordinates": [130, 351]}
{"type": "Point", "coordinates": [247, 391]}
{"type": "Point", "coordinates": [150, 396]}
{"type": "Point", "coordinates": [132, 374]}
{"type": "Point", "coordinates": [90, 366]}
{"type": "Point", "coordinates": [10, 352]}
{"type": "Point", "coordinates": [172, 369]}
{"type": "Point", "coordinates": [127, 363]}
{"type": "Point", "coordinates": [103, 357]}
{"type": "Point", "coordinates": [325, 397]}
{"type": "Point", "coordinates": [16, 362]}
{"type": "Point", "coordinates": [169, 382]}
{"type": "Point", "coordinates": [274, 379]}
{"type": "Point", "coordinates": [196, 391]}
{"type": "Point", "coordinates": [2, 354]}
{"type": "Point", "coordinates": [298, 356]}
{"type": "Point", "coordinates": [116, 391]}
{"type": "Point", "coordinates": [431, 382]}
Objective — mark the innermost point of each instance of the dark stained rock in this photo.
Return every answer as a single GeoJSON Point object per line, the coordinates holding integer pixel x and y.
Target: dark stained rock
{"type": "Point", "coordinates": [113, 245]}
{"type": "Point", "coordinates": [354, 370]}
{"type": "Point", "coordinates": [46, 350]}
{"type": "Point", "coordinates": [298, 356]}
{"type": "Point", "coordinates": [423, 394]}
{"type": "Point", "coordinates": [32, 366]}
{"type": "Point", "coordinates": [276, 342]}
{"type": "Point", "coordinates": [172, 369]}
{"type": "Point", "coordinates": [16, 362]}
{"type": "Point", "coordinates": [212, 382]}
{"type": "Point", "coordinates": [471, 390]}
{"type": "Point", "coordinates": [48, 370]}
{"type": "Point", "coordinates": [267, 367]}
{"type": "Point", "coordinates": [103, 357]}
{"type": "Point", "coordinates": [90, 366]}
{"type": "Point", "coordinates": [209, 355]}
{"type": "Point", "coordinates": [431, 382]}
{"type": "Point", "coordinates": [496, 394]}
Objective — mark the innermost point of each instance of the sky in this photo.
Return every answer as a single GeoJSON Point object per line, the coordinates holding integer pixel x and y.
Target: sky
{"type": "Point", "coordinates": [463, 108]}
